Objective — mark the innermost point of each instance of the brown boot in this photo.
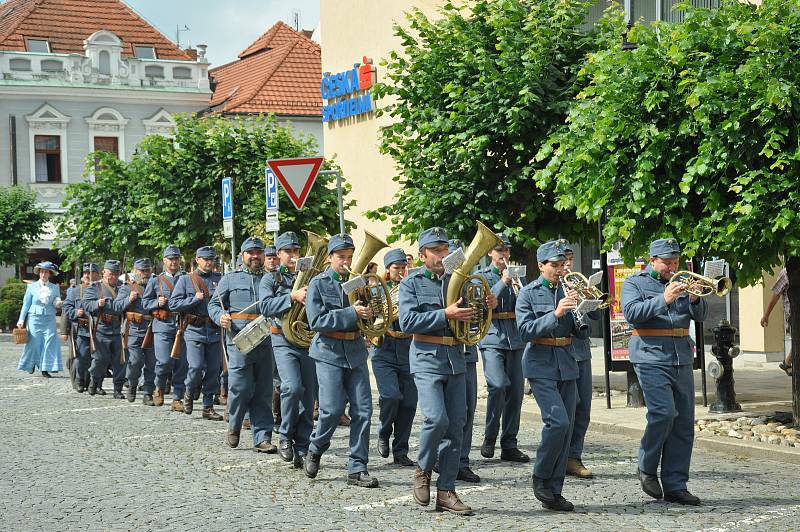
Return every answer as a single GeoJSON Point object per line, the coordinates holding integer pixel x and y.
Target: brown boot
{"type": "Point", "coordinates": [448, 501]}
{"type": "Point", "coordinates": [177, 405]}
{"type": "Point", "coordinates": [422, 487]}
{"type": "Point", "coordinates": [576, 468]}
{"type": "Point", "coordinates": [232, 439]}
{"type": "Point", "coordinates": [265, 447]}
{"type": "Point", "coordinates": [223, 395]}
{"type": "Point", "coordinates": [210, 414]}
{"type": "Point", "coordinates": [158, 397]}
{"type": "Point", "coordinates": [246, 425]}
{"type": "Point", "coordinates": [276, 405]}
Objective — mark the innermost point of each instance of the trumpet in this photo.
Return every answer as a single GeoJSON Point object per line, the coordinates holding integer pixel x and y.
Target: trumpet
{"type": "Point", "coordinates": [578, 282]}
{"type": "Point", "coordinates": [700, 286]}
{"type": "Point", "coordinates": [577, 314]}
{"type": "Point", "coordinates": [516, 283]}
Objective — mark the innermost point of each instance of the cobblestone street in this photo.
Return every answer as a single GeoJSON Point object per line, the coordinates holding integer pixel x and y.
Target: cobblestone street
{"type": "Point", "coordinates": [75, 462]}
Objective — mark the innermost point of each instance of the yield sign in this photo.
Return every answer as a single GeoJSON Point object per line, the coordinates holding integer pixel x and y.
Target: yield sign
{"type": "Point", "coordinates": [297, 176]}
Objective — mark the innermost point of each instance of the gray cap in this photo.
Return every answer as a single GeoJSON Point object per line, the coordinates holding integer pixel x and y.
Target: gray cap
{"type": "Point", "coordinates": [341, 241]}
{"type": "Point", "coordinates": [112, 265]}
{"type": "Point", "coordinates": [433, 237]}
{"type": "Point", "coordinates": [551, 251]}
{"type": "Point", "coordinates": [665, 248]}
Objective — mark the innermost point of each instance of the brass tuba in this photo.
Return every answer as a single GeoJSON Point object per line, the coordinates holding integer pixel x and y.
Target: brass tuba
{"type": "Point", "coordinates": [473, 287]}
{"type": "Point", "coordinates": [295, 322]}
{"type": "Point", "coordinates": [698, 285]}
{"type": "Point", "coordinates": [372, 295]}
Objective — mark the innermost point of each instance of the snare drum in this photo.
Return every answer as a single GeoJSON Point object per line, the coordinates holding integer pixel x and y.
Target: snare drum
{"type": "Point", "coordinates": [252, 335]}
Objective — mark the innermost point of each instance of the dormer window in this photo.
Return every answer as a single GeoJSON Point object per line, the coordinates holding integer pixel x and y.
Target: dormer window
{"type": "Point", "coordinates": [144, 52]}
{"type": "Point", "coordinates": [38, 45]}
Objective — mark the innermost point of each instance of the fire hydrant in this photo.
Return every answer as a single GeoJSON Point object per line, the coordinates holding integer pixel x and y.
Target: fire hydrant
{"type": "Point", "coordinates": [721, 369]}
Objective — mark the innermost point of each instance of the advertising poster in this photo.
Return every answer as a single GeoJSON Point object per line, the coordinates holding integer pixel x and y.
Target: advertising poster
{"type": "Point", "coordinates": [620, 329]}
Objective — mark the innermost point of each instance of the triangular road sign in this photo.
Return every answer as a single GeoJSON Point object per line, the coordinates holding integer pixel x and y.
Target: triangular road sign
{"type": "Point", "coordinates": [296, 176]}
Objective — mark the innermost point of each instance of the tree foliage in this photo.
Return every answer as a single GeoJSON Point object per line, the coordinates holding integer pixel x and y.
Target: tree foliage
{"type": "Point", "coordinates": [169, 191]}
{"type": "Point", "coordinates": [23, 222]}
{"type": "Point", "coordinates": [472, 95]}
{"type": "Point", "coordinates": [693, 134]}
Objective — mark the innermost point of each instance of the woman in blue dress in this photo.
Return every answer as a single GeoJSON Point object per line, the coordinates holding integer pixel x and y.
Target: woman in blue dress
{"type": "Point", "coordinates": [42, 298]}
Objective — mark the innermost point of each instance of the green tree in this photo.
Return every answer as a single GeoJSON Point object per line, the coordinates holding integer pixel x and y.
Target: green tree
{"type": "Point", "coordinates": [169, 191]}
{"type": "Point", "coordinates": [472, 96]}
{"type": "Point", "coordinates": [694, 134]}
{"type": "Point", "coordinates": [23, 222]}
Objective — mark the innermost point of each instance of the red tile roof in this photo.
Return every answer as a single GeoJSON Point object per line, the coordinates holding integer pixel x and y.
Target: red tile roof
{"type": "Point", "coordinates": [67, 23]}
{"type": "Point", "coordinates": [282, 76]}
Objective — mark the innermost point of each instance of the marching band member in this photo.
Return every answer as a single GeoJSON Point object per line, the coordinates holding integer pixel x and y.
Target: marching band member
{"type": "Point", "coordinates": [203, 349]}
{"type": "Point", "coordinates": [271, 263]}
{"type": "Point", "coordinates": [298, 374]}
{"type": "Point", "coordinates": [101, 301]}
{"type": "Point", "coordinates": [80, 324]}
{"type": "Point", "coordinates": [233, 307]}
{"type": "Point", "coordinates": [398, 393]}
{"type": "Point", "coordinates": [437, 362]}
{"type": "Point", "coordinates": [138, 321]}
{"type": "Point", "coordinates": [501, 349]}
{"type": "Point", "coordinates": [544, 321]}
{"type": "Point", "coordinates": [341, 360]}
{"type": "Point", "coordinates": [155, 300]}
{"type": "Point", "coordinates": [661, 354]}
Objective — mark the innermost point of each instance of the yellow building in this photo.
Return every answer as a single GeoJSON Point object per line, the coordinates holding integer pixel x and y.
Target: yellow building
{"type": "Point", "coordinates": [352, 30]}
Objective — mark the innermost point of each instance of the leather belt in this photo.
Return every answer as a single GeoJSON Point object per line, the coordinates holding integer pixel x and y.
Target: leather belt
{"type": "Point", "coordinates": [675, 333]}
{"type": "Point", "coordinates": [164, 315]}
{"type": "Point", "coordinates": [555, 342]}
{"type": "Point", "coordinates": [244, 316]}
{"type": "Point", "coordinates": [136, 317]}
{"type": "Point", "coordinates": [108, 318]}
{"type": "Point", "coordinates": [504, 315]}
{"type": "Point", "coordinates": [339, 335]}
{"type": "Point", "coordinates": [397, 334]}
{"type": "Point", "coordinates": [439, 340]}
{"type": "Point", "coordinates": [198, 320]}
{"type": "Point", "coordinates": [275, 330]}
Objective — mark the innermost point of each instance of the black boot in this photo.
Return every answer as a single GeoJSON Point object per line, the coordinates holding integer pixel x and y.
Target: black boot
{"type": "Point", "coordinates": [131, 395]}
{"type": "Point", "coordinates": [188, 403]}
{"type": "Point", "coordinates": [311, 464]}
{"type": "Point", "coordinates": [542, 491]}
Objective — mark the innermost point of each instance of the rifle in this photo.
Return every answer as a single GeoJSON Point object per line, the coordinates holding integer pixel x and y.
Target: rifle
{"type": "Point", "coordinates": [92, 334]}
{"type": "Point", "coordinates": [176, 345]}
{"type": "Point", "coordinates": [147, 341]}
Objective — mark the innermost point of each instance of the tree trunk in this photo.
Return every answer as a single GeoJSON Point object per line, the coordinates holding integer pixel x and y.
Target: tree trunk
{"type": "Point", "coordinates": [793, 274]}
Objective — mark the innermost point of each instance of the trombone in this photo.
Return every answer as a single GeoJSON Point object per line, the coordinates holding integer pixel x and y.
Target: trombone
{"type": "Point", "coordinates": [701, 286]}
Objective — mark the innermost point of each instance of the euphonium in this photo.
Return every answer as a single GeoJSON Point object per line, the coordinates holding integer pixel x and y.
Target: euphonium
{"type": "Point", "coordinates": [578, 282]}
{"type": "Point", "coordinates": [473, 287]}
{"type": "Point", "coordinates": [701, 286]}
{"type": "Point", "coordinates": [372, 294]}
{"type": "Point", "coordinates": [295, 322]}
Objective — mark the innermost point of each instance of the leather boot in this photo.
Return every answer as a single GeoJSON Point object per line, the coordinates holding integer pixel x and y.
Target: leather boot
{"type": "Point", "coordinates": [448, 501]}
{"type": "Point", "coordinates": [177, 406]}
{"type": "Point", "coordinates": [422, 487]}
{"type": "Point", "coordinates": [576, 468]}
{"type": "Point", "coordinates": [232, 439]}
{"type": "Point", "coordinates": [311, 464]}
{"type": "Point", "coordinates": [131, 394]}
{"type": "Point", "coordinates": [542, 491]}
{"type": "Point", "coordinates": [119, 395]}
{"type": "Point", "coordinates": [265, 447]}
{"type": "Point", "coordinates": [210, 414]}
{"type": "Point", "coordinates": [188, 402]}
{"type": "Point", "coordinates": [147, 400]}
{"type": "Point", "coordinates": [276, 405]}
{"type": "Point", "coordinates": [487, 449]}
{"type": "Point", "coordinates": [650, 484]}
{"type": "Point", "coordinates": [223, 395]}
{"type": "Point", "coordinates": [158, 397]}
{"type": "Point", "coordinates": [92, 388]}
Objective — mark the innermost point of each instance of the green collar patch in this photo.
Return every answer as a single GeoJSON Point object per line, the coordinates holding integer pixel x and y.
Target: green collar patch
{"type": "Point", "coordinates": [547, 283]}
{"type": "Point", "coordinates": [496, 270]}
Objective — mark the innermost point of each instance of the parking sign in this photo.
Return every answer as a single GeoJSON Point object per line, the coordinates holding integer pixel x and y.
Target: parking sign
{"type": "Point", "coordinates": [227, 199]}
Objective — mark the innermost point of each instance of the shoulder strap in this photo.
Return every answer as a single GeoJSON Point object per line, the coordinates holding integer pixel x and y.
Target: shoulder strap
{"type": "Point", "coordinates": [110, 290]}
{"type": "Point", "coordinates": [163, 279]}
{"type": "Point", "coordinates": [199, 284]}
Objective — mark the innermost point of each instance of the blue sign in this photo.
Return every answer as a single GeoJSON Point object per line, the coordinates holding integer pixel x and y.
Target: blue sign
{"type": "Point", "coordinates": [227, 198]}
{"type": "Point", "coordinates": [272, 190]}
{"type": "Point", "coordinates": [347, 93]}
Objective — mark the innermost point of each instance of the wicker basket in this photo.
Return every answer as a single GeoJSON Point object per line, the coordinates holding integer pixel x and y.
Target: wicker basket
{"type": "Point", "coordinates": [20, 336]}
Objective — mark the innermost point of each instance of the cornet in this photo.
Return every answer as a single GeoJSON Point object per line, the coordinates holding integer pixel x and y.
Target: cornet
{"type": "Point", "coordinates": [700, 286]}
{"type": "Point", "coordinates": [516, 283]}
{"type": "Point", "coordinates": [578, 282]}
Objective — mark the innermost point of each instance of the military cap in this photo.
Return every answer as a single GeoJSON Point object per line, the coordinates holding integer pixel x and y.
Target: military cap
{"type": "Point", "coordinates": [90, 267]}
{"type": "Point", "coordinates": [394, 255]}
{"type": "Point", "coordinates": [551, 251]}
{"type": "Point", "coordinates": [454, 244]}
{"type": "Point", "coordinates": [270, 251]}
{"type": "Point", "coordinates": [252, 243]}
{"type": "Point", "coordinates": [46, 265]}
{"type": "Point", "coordinates": [206, 252]}
{"type": "Point", "coordinates": [142, 264]}
{"type": "Point", "coordinates": [435, 236]}
{"type": "Point", "coordinates": [341, 241]}
{"type": "Point", "coordinates": [505, 239]}
{"type": "Point", "coordinates": [171, 251]}
{"type": "Point", "coordinates": [567, 246]}
{"type": "Point", "coordinates": [287, 240]}
{"type": "Point", "coordinates": [111, 265]}
{"type": "Point", "coordinates": [665, 248]}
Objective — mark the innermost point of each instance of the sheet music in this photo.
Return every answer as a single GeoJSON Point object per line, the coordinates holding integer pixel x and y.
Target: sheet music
{"type": "Point", "coordinates": [588, 305]}
{"type": "Point", "coordinates": [453, 260]}
{"type": "Point", "coordinates": [714, 268]}
{"type": "Point", "coordinates": [595, 278]}
{"type": "Point", "coordinates": [517, 271]}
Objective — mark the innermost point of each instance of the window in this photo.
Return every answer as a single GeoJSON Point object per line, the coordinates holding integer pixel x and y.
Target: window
{"type": "Point", "coordinates": [48, 158]}
{"type": "Point", "coordinates": [154, 71]}
{"type": "Point", "coordinates": [38, 45]}
{"type": "Point", "coordinates": [107, 144]}
{"type": "Point", "coordinates": [19, 64]}
{"type": "Point", "coordinates": [181, 73]}
{"type": "Point", "coordinates": [144, 52]}
{"type": "Point", "coordinates": [52, 65]}
{"type": "Point", "coordinates": [104, 60]}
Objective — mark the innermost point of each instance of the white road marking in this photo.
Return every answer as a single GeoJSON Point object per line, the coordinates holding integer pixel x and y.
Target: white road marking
{"type": "Point", "coordinates": [168, 434]}
{"type": "Point", "coordinates": [405, 499]}
{"type": "Point", "coordinates": [73, 410]}
{"type": "Point", "coordinates": [247, 465]}
{"type": "Point", "coordinates": [769, 515]}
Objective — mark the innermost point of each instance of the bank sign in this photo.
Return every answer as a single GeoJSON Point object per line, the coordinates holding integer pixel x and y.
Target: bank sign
{"type": "Point", "coordinates": [348, 93]}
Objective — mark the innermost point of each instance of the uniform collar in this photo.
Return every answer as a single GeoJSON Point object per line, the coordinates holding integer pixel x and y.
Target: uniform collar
{"type": "Point", "coordinates": [284, 269]}
{"type": "Point", "coordinates": [655, 275]}
{"type": "Point", "coordinates": [496, 270]}
{"type": "Point", "coordinates": [546, 282]}
{"type": "Point", "coordinates": [201, 273]}
{"type": "Point", "coordinates": [337, 276]}
{"type": "Point", "coordinates": [430, 275]}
